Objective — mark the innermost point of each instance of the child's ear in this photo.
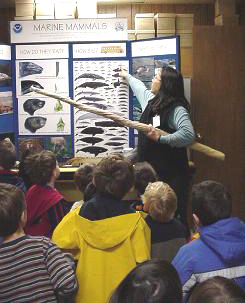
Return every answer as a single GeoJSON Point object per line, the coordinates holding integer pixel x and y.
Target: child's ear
{"type": "Point", "coordinates": [56, 172]}
{"type": "Point", "coordinates": [23, 218]}
{"type": "Point", "coordinates": [146, 207]}
{"type": "Point", "coordinates": [196, 220]}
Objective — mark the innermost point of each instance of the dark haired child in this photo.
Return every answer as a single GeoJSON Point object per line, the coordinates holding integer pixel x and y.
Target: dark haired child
{"type": "Point", "coordinates": [151, 281]}
{"type": "Point", "coordinates": [45, 205]}
{"type": "Point", "coordinates": [217, 290]}
{"type": "Point", "coordinates": [32, 269]}
{"type": "Point", "coordinates": [83, 179]}
{"type": "Point", "coordinates": [27, 149]}
{"type": "Point", "coordinates": [167, 233]}
{"type": "Point", "coordinates": [220, 250]}
{"type": "Point", "coordinates": [110, 236]}
{"type": "Point", "coordinates": [144, 174]}
{"type": "Point", "coordinates": [7, 162]}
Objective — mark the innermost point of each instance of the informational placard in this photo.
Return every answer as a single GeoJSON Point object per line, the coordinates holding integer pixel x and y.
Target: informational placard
{"type": "Point", "coordinates": [5, 52]}
{"type": "Point", "coordinates": [68, 30]}
{"type": "Point", "coordinates": [42, 51]}
{"type": "Point", "coordinates": [102, 50]}
{"type": "Point", "coordinates": [38, 115]}
{"type": "Point", "coordinates": [158, 47]}
{"type": "Point", "coordinates": [98, 84]}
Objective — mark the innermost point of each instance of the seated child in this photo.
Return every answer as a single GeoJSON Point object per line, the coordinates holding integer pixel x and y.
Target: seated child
{"type": "Point", "coordinates": [154, 281]}
{"type": "Point", "coordinates": [7, 161]}
{"type": "Point", "coordinates": [113, 178]}
{"type": "Point", "coordinates": [32, 269]}
{"type": "Point", "coordinates": [26, 150]}
{"type": "Point", "coordinates": [217, 290]}
{"type": "Point", "coordinates": [113, 240]}
{"type": "Point", "coordinates": [45, 205]}
{"type": "Point", "coordinates": [167, 233]}
{"type": "Point", "coordinates": [83, 178]}
{"type": "Point", "coordinates": [144, 174]}
{"type": "Point", "coordinates": [220, 249]}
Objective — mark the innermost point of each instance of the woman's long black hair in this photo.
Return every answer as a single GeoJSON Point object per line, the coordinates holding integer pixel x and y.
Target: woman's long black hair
{"type": "Point", "coordinates": [171, 91]}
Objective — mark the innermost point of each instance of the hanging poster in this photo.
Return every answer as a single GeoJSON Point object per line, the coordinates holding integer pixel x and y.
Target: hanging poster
{"type": "Point", "coordinates": [89, 29]}
{"type": "Point", "coordinates": [40, 115]}
{"type": "Point", "coordinates": [147, 58]}
{"type": "Point", "coordinates": [6, 103]}
{"type": "Point", "coordinates": [98, 84]}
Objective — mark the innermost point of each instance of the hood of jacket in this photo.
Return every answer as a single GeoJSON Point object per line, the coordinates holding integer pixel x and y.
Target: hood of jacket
{"type": "Point", "coordinates": [227, 239]}
{"type": "Point", "coordinates": [107, 233]}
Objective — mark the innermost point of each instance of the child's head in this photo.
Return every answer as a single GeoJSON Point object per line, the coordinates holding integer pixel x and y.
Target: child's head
{"type": "Point", "coordinates": [114, 176]}
{"type": "Point", "coordinates": [12, 207]}
{"type": "Point", "coordinates": [211, 202]}
{"type": "Point", "coordinates": [83, 176]}
{"type": "Point", "coordinates": [42, 167]}
{"type": "Point", "coordinates": [151, 281]}
{"type": "Point", "coordinates": [7, 154]}
{"type": "Point", "coordinates": [144, 174]}
{"type": "Point", "coordinates": [217, 290]}
{"type": "Point", "coordinates": [160, 201]}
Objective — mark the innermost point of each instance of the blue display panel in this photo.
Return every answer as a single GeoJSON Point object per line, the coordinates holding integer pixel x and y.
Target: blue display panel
{"type": "Point", "coordinates": [6, 99]}
{"type": "Point", "coordinates": [88, 73]}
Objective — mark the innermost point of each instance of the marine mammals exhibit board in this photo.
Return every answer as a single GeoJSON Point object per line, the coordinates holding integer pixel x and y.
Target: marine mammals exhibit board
{"type": "Point", "coordinates": [88, 72]}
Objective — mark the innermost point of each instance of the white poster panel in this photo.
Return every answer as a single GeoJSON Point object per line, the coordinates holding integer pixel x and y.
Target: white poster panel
{"type": "Point", "coordinates": [43, 51]}
{"type": "Point", "coordinates": [95, 50]}
{"type": "Point", "coordinates": [98, 84]}
{"type": "Point", "coordinates": [157, 47]}
{"type": "Point", "coordinates": [5, 52]}
{"type": "Point", "coordinates": [40, 115]}
{"type": "Point", "coordinates": [68, 30]}
{"type": "Point", "coordinates": [41, 105]}
{"type": "Point", "coordinates": [51, 75]}
{"type": "Point", "coordinates": [6, 103]}
{"type": "Point", "coordinates": [49, 124]}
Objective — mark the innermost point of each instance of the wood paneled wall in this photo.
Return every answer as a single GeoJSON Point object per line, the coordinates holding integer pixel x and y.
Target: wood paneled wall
{"type": "Point", "coordinates": [6, 14]}
{"type": "Point", "coordinates": [218, 92]}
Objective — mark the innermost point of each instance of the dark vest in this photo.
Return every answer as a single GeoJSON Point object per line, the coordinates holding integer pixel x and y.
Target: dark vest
{"type": "Point", "coordinates": [166, 160]}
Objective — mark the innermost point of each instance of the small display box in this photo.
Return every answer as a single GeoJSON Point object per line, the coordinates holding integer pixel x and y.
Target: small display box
{"type": "Point", "coordinates": [185, 38]}
{"type": "Point", "coordinates": [184, 22]}
{"type": "Point", "coordinates": [226, 20]}
{"type": "Point", "coordinates": [144, 22]}
{"type": "Point", "coordinates": [65, 9]}
{"type": "Point", "coordinates": [165, 22]}
{"type": "Point", "coordinates": [131, 35]}
{"type": "Point", "coordinates": [24, 9]}
{"type": "Point", "coordinates": [165, 33]}
{"type": "Point", "coordinates": [225, 7]}
{"type": "Point", "coordinates": [44, 9]}
{"type": "Point", "coordinates": [145, 34]}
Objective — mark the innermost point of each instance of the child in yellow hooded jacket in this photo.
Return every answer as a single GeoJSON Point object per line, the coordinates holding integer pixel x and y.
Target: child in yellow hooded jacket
{"type": "Point", "coordinates": [106, 236]}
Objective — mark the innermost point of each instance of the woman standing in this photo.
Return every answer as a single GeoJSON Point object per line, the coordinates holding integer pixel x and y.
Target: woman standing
{"type": "Point", "coordinates": [165, 107]}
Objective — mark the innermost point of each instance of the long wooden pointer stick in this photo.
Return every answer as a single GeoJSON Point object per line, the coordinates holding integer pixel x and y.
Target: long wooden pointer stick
{"type": "Point", "coordinates": [125, 122]}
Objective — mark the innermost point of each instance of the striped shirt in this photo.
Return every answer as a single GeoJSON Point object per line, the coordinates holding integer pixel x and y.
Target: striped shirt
{"type": "Point", "coordinates": [32, 269]}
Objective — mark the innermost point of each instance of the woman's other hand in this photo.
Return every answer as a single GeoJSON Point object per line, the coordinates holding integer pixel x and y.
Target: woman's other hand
{"type": "Point", "coordinates": [153, 134]}
{"type": "Point", "coordinates": [123, 74]}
